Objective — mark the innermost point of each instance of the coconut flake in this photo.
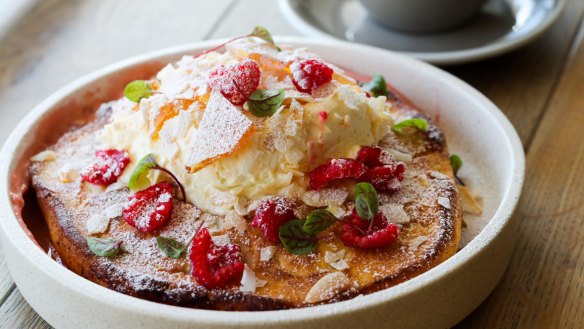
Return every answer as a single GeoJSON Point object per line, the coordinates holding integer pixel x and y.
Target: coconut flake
{"type": "Point", "coordinates": [336, 259]}
{"type": "Point", "coordinates": [444, 202]}
{"type": "Point", "coordinates": [47, 155]}
{"type": "Point", "coordinates": [114, 211]}
{"type": "Point", "coordinates": [267, 253]}
{"type": "Point", "coordinates": [248, 280]}
{"type": "Point", "coordinates": [394, 213]}
{"type": "Point", "coordinates": [324, 197]}
{"type": "Point", "coordinates": [234, 220]}
{"type": "Point", "coordinates": [327, 287]}
{"type": "Point", "coordinates": [221, 240]}
{"type": "Point", "coordinates": [400, 156]}
{"type": "Point", "coordinates": [338, 211]}
{"type": "Point", "coordinates": [469, 202]}
{"type": "Point", "coordinates": [240, 207]}
{"type": "Point", "coordinates": [416, 242]}
{"type": "Point", "coordinates": [97, 223]}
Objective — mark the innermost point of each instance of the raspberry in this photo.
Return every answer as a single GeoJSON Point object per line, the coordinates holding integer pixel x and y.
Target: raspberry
{"type": "Point", "coordinates": [271, 214]}
{"type": "Point", "coordinates": [370, 156]}
{"type": "Point", "coordinates": [386, 178]}
{"type": "Point", "coordinates": [215, 266]}
{"type": "Point", "coordinates": [360, 233]}
{"type": "Point", "coordinates": [107, 166]}
{"type": "Point", "coordinates": [307, 75]}
{"type": "Point", "coordinates": [336, 169]}
{"type": "Point", "coordinates": [236, 82]}
{"type": "Point", "coordinates": [149, 209]}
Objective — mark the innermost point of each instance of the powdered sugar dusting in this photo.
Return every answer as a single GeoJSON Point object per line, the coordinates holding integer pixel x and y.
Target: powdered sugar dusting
{"type": "Point", "coordinates": [221, 130]}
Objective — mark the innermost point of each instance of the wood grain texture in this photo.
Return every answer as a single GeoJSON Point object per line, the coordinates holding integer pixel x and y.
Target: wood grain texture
{"type": "Point", "coordinates": [544, 285]}
{"type": "Point", "coordinates": [58, 41]}
{"type": "Point", "coordinates": [6, 283]}
{"type": "Point", "coordinates": [246, 14]}
{"type": "Point", "coordinates": [15, 313]}
{"type": "Point", "coordinates": [521, 82]}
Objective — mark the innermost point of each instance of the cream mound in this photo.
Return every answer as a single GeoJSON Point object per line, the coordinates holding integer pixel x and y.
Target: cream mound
{"type": "Point", "coordinates": [281, 149]}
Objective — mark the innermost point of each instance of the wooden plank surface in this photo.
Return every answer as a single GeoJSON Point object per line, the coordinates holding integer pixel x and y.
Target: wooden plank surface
{"type": "Point", "coordinates": [15, 313]}
{"type": "Point", "coordinates": [521, 82]}
{"type": "Point", "coordinates": [59, 40]}
{"type": "Point", "coordinates": [244, 15]}
{"type": "Point", "coordinates": [6, 283]}
{"type": "Point", "coordinates": [544, 285]}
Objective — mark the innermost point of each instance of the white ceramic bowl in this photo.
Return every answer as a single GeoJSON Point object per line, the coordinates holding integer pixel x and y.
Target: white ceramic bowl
{"type": "Point", "coordinates": [439, 298]}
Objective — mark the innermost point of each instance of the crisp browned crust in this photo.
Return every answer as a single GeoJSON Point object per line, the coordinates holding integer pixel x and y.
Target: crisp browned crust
{"type": "Point", "coordinates": [428, 194]}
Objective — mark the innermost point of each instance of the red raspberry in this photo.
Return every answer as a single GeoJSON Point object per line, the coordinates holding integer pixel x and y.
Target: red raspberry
{"type": "Point", "coordinates": [360, 233]}
{"type": "Point", "coordinates": [215, 266]}
{"type": "Point", "coordinates": [149, 209]}
{"type": "Point", "coordinates": [107, 166]}
{"type": "Point", "coordinates": [370, 156]}
{"type": "Point", "coordinates": [236, 82]}
{"type": "Point", "coordinates": [336, 169]}
{"type": "Point", "coordinates": [386, 178]}
{"type": "Point", "coordinates": [307, 75]}
{"type": "Point", "coordinates": [271, 214]}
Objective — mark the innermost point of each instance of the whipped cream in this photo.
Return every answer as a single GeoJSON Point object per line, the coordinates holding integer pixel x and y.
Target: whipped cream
{"type": "Point", "coordinates": [282, 149]}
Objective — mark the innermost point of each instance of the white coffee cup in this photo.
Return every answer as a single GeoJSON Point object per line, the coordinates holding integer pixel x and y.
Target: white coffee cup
{"type": "Point", "coordinates": [422, 15]}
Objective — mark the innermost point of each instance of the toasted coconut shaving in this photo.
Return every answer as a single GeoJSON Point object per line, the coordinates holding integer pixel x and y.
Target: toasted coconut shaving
{"type": "Point", "coordinates": [327, 287]}
{"type": "Point", "coordinates": [222, 130]}
{"type": "Point", "coordinates": [469, 203]}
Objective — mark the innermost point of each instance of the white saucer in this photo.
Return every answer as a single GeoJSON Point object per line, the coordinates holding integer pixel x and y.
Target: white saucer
{"type": "Point", "coordinates": [502, 26]}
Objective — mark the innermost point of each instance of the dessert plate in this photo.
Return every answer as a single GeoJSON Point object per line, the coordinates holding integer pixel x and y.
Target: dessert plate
{"type": "Point", "coordinates": [494, 168]}
{"type": "Point", "coordinates": [502, 26]}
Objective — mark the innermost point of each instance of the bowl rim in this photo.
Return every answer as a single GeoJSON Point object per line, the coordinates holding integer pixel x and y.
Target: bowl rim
{"type": "Point", "coordinates": [17, 237]}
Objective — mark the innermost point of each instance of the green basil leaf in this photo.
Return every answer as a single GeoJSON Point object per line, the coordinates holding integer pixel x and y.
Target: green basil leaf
{"type": "Point", "coordinates": [139, 179]}
{"type": "Point", "coordinates": [416, 123]}
{"type": "Point", "coordinates": [295, 240]}
{"type": "Point", "coordinates": [318, 221]}
{"type": "Point", "coordinates": [170, 247]}
{"type": "Point", "coordinates": [263, 33]}
{"type": "Point", "coordinates": [456, 163]}
{"type": "Point", "coordinates": [377, 86]}
{"type": "Point", "coordinates": [104, 247]}
{"type": "Point", "coordinates": [263, 103]}
{"type": "Point", "coordinates": [136, 90]}
{"type": "Point", "coordinates": [366, 201]}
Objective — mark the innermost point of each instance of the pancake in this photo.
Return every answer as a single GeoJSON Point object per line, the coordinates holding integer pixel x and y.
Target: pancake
{"type": "Point", "coordinates": [429, 214]}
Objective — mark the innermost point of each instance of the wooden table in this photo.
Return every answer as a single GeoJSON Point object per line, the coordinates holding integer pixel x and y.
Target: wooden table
{"type": "Point", "coordinates": [540, 88]}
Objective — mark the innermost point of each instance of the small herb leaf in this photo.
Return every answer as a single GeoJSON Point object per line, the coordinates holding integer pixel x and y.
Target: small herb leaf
{"type": "Point", "coordinates": [377, 86]}
{"type": "Point", "coordinates": [104, 247]}
{"type": "Point", "coordinates": [366, 201]}
{"type": "Point", "coordinates": [263, 103]}
{"type": "Point", "coordinates": [139, 179]}
{"type": "Point", "coordinates": [136, 90]}
{"type": "Point", "coordinates": [456, 163]}
{"type": "Point", "coordinates": [170, 247]}
{"type": "Point", "coordinates": [295, 240]}
{"type": "Point", "coordinates": [416, 123]}
{"type": "Point", "coordinates": [318, 221]}
{"type": "Point", "coordinates": [263, 33]}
